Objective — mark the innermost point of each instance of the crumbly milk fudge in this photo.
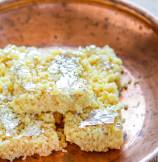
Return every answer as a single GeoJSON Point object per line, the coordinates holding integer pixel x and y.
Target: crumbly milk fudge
{"type": "Point", "coordinates": [26, 135]}
{"type": "Point", "coordinates": [41, 87]}
{"type": "Point", "coordinates": [59, 80]}
{"type": "Point", "coordinates": [97, 130]}
{"type": "Point", "coordinates": [41, 81]}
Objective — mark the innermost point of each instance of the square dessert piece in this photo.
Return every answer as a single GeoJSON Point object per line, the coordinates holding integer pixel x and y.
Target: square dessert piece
{"type": "Point", "coordinates": [97, 130]}
{"type": "Point", "coordinates": [58, 79]}
{"type": "Point", "coordinates": [44, 80]}
{"type": "Point", "coordinates": [26, 135]}
{"type": "Point", "coordinates": [47, 95]}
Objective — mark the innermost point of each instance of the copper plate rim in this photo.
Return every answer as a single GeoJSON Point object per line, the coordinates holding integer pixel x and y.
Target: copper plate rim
{"type": "Point", "coordinates": [125, 6]}
{"type": "Point", "coordinates": [129, 7]}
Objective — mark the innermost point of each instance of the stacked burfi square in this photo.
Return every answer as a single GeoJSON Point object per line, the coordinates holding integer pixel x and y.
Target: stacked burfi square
{"type": "Point", "coordinates": [53, 95]}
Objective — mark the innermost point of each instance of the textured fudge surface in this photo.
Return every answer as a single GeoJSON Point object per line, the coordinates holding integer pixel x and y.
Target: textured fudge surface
{"type": "Point", "coordinates": [96, 133]}
{"type": "Point", "coordinates": [59, 80]}
{"type": "Point", "coordinates": [53, 95]}
{"type": "Point", "coordinates": [26, 135]}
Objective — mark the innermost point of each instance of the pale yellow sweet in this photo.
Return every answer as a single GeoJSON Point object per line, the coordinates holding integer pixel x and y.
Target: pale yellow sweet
{"type": "Point", "coordinates": [34, 83]}
{"type": "Point", "coordinates": [43, 80]}
{"type": "Point", "coordinates": [59, 80]}
{"type": "Point", "coordinates": [26, 135]}
{"type": "Point", "coordinates": [100, 138]}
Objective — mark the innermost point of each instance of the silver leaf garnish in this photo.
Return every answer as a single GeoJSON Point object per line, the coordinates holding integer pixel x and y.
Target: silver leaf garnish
{"type": "Point", "coordinates": [98, 117]}
{"type": "Point", "coordinates": [32, 130]}
{"type": "Point", "coordinates": [65, 70]}
{"type": "Point", "coordinates": [102, 116]}
{"type": "Point", "coordinates": [29, 86]}
{"type": "Point", "coordinates": [9, 120]}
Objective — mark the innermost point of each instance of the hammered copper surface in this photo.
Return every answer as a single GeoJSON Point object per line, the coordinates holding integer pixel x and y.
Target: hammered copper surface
{"type": "Point", "coordinates": [46, 23]}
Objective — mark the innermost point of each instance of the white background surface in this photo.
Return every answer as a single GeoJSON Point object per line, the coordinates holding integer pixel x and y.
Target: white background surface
{"type": "Point", "coordinates": [150, 5]}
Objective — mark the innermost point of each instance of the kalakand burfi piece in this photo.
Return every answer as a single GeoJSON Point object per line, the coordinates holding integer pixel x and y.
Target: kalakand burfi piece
{"type": "Point", "coordinates": [44, 90]}
{"type": "Point", "coordinates": [59, 80]}
{"type": "Point", "coordinates": [97, 130]}
{"type": "Point", "coordinates": [26, 135]}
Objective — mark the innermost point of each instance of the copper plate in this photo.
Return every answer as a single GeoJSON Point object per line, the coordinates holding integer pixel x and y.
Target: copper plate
{"type": "Point", "coordinates": [130, 31]}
